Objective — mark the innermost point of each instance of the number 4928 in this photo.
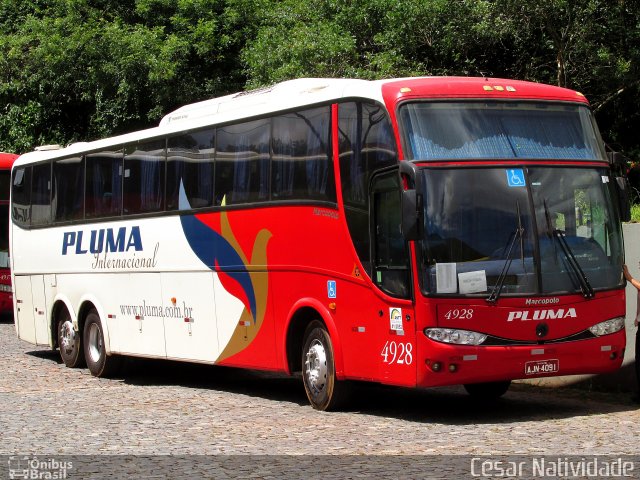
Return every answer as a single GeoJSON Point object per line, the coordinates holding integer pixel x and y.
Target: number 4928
{"type": "Point", "coordinates": [397, 353]}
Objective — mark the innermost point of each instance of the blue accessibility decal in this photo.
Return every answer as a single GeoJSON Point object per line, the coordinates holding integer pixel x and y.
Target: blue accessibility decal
{"type": "Point", "coordinates": [331, 289]}
{"type": "Point", "coordinates": [515, 177]}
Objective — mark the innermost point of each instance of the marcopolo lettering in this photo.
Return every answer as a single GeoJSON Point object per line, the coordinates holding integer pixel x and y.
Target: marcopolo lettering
{"type": "Point", "coordinates": [547, 314]}
{"type": "Point", "coordinates": [541, 301]}
{"type": "Point", "coordinates": [122, 239]}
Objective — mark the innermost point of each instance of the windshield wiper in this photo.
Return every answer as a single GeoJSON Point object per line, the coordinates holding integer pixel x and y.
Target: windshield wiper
{"type": "Point", "coordinates": [585, 286]}
{"type": "Point", "coordinates": [517, 234]}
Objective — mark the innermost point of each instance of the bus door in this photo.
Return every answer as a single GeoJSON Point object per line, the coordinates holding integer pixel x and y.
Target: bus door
{"type": "Point", "coordinates": [392, 275]}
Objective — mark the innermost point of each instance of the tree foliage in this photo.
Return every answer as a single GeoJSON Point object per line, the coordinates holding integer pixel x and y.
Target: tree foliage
{"type": "Point", "coordinates": [83, 69]}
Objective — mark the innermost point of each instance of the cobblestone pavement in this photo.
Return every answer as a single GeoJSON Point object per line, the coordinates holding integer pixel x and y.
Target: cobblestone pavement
{"type": "Point", "coordinates": [158, 407]}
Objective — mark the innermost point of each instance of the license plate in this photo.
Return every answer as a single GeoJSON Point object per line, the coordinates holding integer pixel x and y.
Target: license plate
{"type": "Point", "coordinates": [542, 367]}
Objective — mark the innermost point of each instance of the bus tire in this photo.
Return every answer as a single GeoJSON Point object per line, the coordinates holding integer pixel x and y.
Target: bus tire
{"type": "Point", "coordinates": [488, 390]}
{"type": "Point", "coordinates": [99, 363]}
{"type": "Point", "coordinates": [324, 390]}
{"type": "Point", "coordinates": [69, 342]}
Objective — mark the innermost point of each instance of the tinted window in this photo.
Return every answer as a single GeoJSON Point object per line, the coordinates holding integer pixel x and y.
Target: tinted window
{"type": "Point", "coordinates": [68, 189]}
{"type": "Point", "coordinates": [41, 194]}
{"type": "Point", "coordinates": [4, 184]}
{"type": "Point", "coordinates": [21, 196]}
{"type": "Point", "coordinates": [242, 163]}
{"type": "Point", "coordinates": [4, 236]}
{"type": "Point", "coordinates": [104, 184]}
{"type": "Point", "coordinates": [390, 249]}
{"type": "Point", "coordinates": [144, 166]}
{"type": "Point", "coordinates": [301, 165]}
{"type": "Point", "coordinates": [190, 168]}
{"type": "Point", "coordinates": [366, 144]}
{"type": "Point", "coordinates": [469, 130]}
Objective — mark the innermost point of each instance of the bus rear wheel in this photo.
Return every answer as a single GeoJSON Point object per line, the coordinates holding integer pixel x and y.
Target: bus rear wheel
{"type": "Point", "coordinates": [488, 390]}
{"type": "Point", "coordinates": [69, 342]}
{"type": "Point", "coordinates": [324, 390]}
{"type": "Point", "coordinates": [99, 363]}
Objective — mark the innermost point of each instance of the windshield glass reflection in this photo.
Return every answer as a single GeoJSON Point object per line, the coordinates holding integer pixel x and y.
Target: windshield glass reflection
{"type": "Point", "coordinates": [473, 130]}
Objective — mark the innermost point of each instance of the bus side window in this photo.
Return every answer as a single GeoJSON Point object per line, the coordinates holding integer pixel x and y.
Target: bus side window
{"type": "Point", "coordinates": [301, 164]}
{"type": "Point", "coordinates": [390, 251]}
{"type": "Point", "coordinates": [41, 194]}
{"type": "Point", "coordinates": [144, 166]}
{"type": "Point", "coordinates": [242, 163]}
{"type": "Point", "coordinates": [103, 196]}
{"type": "Point", "coordinates": [21, 196]}
{"type": "Point", "coordinates": [190, 168]}
{"type": "Point", "coordinates": [68, 189]}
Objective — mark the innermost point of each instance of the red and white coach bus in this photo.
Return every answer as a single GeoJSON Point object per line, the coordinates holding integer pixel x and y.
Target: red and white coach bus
{"type": "Point", "coordinates": [6, 292]}
{"type": "Point", "coordinates": [416, 232]}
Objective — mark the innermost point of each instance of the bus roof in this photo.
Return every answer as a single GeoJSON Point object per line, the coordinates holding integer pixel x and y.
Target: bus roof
{"type": "Point", "coordinates": [303, 92]}
{"type": "Point", "coordinates": [6, 160]}
{"type": "Point", "coordinates": [476, 87]}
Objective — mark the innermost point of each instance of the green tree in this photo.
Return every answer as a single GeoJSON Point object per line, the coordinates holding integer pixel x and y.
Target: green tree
{"type": "Point", "coordinates": [83, 69]}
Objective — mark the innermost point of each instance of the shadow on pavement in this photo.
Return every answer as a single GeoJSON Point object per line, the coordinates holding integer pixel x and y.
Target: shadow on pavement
{"type": "Point", "coordinates": [449, 405]}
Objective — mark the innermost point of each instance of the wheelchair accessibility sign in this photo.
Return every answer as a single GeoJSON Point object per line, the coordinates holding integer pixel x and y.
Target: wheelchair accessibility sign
{"type": "Point", "coordinates": [331, 289]}
{"type": "Point", "coordinates": [515, 177]}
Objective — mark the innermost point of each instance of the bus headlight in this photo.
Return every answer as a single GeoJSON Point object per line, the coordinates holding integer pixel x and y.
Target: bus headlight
{"type": "Point", "coordinates": [608, 326]}
{"type": "Point", "coordinates": [455, 336]}
{"type": "Point", "coordinates": [6, 288]}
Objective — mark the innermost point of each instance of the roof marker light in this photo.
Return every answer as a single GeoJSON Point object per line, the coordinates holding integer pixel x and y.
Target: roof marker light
{"type": "Point", "coordinates": [487, 88]}
{"type": "Point", "coordinates": [405, 90]}
{"type": "Point", "coordinates": [510, 88]}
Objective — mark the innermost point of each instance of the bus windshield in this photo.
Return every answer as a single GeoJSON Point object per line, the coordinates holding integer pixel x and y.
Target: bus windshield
{"type": "Point", "coordinates": [525, 224]}
{"type": "Point", "coordinates": [476, 130]}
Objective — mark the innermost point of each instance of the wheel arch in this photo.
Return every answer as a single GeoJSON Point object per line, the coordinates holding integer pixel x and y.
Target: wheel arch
{"type": "Point", "coordinates": [60, 303]}
{"type": "Point", "coordinates": [302, 313]}
{"type": "Point", "coordinates": [88, 303]}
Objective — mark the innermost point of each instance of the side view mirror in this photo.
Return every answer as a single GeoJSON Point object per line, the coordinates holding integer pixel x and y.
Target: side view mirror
{"type": "Point", "coordinates": [623, 188]}
{"type": "Point", "coordinates": [619, 165]}
{"type": "Point", "coordinates": [410, 184]}
{"type": "Point", "coordinates": [410, 215]}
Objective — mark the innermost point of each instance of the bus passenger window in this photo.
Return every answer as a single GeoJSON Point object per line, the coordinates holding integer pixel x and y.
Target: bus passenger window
{"type": "Point", "coordinates": [242, 163]}
{"type": "Point", "coordinates": [68, 189]}
{"type": "Point", "coordinates": [103, 197]}
{"type": "Point", "coordinates": [301, 165]}
{"type": "Point", "coordinates": [41, 194]}
{"type": "Point", "coordinates": [144, 166]}
{"type": "Point", "coordinates": [21, 196]}
{"type": "Point", "coordinates": [190, 168]}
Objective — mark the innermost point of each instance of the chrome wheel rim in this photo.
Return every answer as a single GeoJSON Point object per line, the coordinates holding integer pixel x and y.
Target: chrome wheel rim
{"type": "Point", "coordinates": [68, 337]}
{"type": "Point", "coordinates": [95, 343]}
{"type": "Point", "coordinates": [316, 366]}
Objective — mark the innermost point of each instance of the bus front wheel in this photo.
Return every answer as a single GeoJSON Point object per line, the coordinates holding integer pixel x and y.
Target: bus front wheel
{"type": "Point", "coordinates": [69, 342]}
{"type": "Point", "coordinates": [489, 390]}
{"type": "Point", "coordinates": [324, 390]}
{"type": "Point", "coordinates": [99, 363]}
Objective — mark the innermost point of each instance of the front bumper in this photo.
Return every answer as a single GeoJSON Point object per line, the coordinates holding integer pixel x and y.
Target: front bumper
{"type": "Point", "coordinates": [444, 364]}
